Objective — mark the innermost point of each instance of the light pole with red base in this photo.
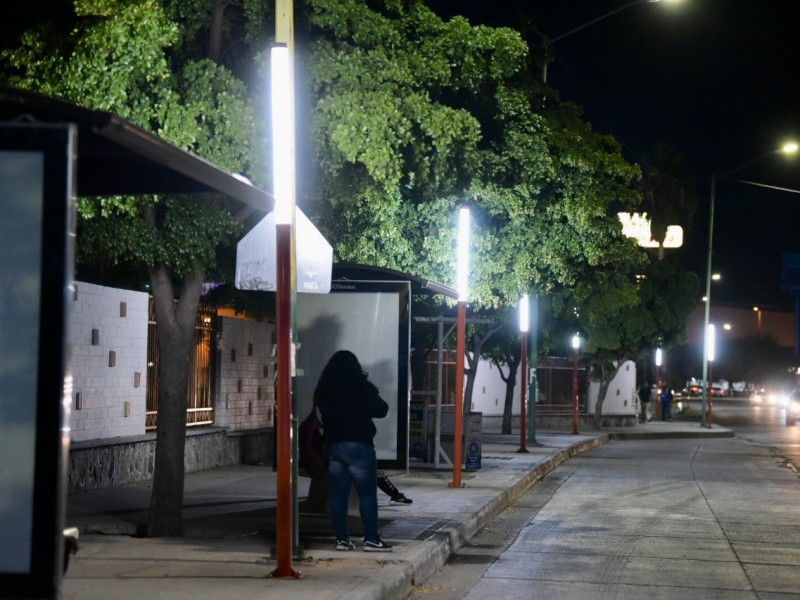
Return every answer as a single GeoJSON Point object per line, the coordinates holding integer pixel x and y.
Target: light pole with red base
{"type": "Point", "coordinates": [576, 344]}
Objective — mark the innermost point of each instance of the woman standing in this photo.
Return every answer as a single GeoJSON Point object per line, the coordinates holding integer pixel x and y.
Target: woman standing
{"type": "Point", "coordinates": [348, 402]}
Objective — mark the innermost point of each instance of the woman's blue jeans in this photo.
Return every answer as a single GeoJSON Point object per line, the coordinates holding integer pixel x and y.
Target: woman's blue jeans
{"type": "Point", "coordinates": [353, 463]}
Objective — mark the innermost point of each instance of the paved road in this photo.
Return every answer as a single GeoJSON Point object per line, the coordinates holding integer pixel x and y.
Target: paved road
{"type": "Point", "coordinates": [642, 519]}
{"type": "Point", "coordinates": [763, 425]}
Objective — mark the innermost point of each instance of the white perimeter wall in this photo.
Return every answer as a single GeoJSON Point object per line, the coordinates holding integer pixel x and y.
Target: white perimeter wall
{"type": "Point", "coordinates": [108, 397]}
{"type": "Point", "coordinates": [489, 393]}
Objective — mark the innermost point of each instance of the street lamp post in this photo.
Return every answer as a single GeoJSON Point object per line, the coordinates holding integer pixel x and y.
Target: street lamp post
{"type": "Point", "coordinates": [711, 351]}
{"type": "Point", "coordinates": [283, 190]}
{"type": "Point", "coordinates": [461, 285]}
{"type": "Point", "coordinates": [576, 344]}
{"type": "Point", "coordinates": [758, 318]}
{"type": "Point", "coordinates": [531, 382]}
{"type": "Point", "coordinates": [658, 366]}
{"type": "Point", "coordinates": [523, 378]}
{"type": "Point", "coordinates": [788, 148]}
{"type": "Point", "coordinates": [546, 41]}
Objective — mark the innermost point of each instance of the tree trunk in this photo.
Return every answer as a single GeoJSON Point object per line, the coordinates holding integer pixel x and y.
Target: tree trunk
{"type": "Point", "coordinates": [473, 360]}
{"type": "Point", "coordinates": [511, 383]}
{"type": "Point", "coordinates": [605, 382]}
{"type": "Point", "coordinates": [215, 29]}
{"type": "Point", "coordinates": [176, 325]}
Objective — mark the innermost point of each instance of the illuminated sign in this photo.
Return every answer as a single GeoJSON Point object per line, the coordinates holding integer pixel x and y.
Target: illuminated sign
{"type": "Point", "coordinates": [637, 226]}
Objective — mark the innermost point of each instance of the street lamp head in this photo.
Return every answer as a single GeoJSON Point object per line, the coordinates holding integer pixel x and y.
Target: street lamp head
{"type": "Point", "coordinates": [710, 343]}
{"type": "Point", "coordinates": [282, 133]}
{"type": "Point", "coordinates": [789, 148]}
{"type": "Point", "coordinates": [576, 342]}
{"type": "Point", "coordinates": [462, 257]}
{"type": "Point", "coordinates": [524, 318]}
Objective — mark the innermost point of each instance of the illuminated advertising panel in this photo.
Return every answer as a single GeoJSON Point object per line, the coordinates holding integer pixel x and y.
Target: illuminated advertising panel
{"type": "Point", "coordinates": [36, 199]}
{"type": "Point", "coordinates": [372, 320]}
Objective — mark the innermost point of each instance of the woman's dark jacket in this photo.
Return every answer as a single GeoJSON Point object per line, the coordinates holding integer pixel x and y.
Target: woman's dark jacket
{"type": "Point", "coordinates": [347, 412]}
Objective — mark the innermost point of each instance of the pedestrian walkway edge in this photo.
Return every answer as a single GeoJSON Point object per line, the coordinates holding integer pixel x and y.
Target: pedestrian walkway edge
{"type": "Point", "coordinates": [430, 556]}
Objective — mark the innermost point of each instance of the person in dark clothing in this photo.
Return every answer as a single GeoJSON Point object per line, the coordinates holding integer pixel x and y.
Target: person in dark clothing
{"type": "Point", "coordinates": [348, 402]}
{"type": "Point", "coordinates": [388, 488]}
{"type": "Point", "coordinates": [644, 400]}
{"type": "Point", "coordinates": [666, 403]}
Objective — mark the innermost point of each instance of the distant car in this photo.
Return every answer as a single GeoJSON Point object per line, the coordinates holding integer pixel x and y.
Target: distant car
{"type": "Point", "coordinates": [780, 399]}
{"type": "Point", "coordinates": [793, 409]}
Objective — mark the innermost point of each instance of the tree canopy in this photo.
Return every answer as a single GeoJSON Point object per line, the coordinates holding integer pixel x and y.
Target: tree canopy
{"type": "Point", "coordinates": [141, 60]}
{"type": "Point", "coordinates": [409, 116]}
{"type": "Point", "coordinates": [413, 116]}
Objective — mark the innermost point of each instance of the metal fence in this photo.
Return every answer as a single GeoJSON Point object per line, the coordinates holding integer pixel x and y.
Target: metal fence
{"type": "Point", "coordinates": [200, 391]}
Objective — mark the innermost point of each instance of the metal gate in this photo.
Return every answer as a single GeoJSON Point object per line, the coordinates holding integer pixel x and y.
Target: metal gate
{"type": "Point", "coordinates": [200, 410]}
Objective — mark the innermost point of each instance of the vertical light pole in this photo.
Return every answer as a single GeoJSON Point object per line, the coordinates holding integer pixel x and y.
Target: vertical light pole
{"type": "Point", "coordinates": [549, 41]}
{"type": "Point", "coordinates": [707, 308]}
{"type": "Point", "coordinates": [283, 190]}
{"type": "Point", "coordinates": [758, 318]}
{"type": "Point", "coordinates": [657, 410]}
{"type": "Point", "coordinates": [659, 356]}
{"type": "Point", "coordinates": [524, 320]}
{"type": "Point", "coordinates": [531, 384]}
{"type": "Point", "coordinates": [576, 344]}
{"type": "Point", "coordinates": [462, 267]}
{"type": "Point", "coordinates": [710, 352]}
{"type": "Point", "coordinates": [788, 148]}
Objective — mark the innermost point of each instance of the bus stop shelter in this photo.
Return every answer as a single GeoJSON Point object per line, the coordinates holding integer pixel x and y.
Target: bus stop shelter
{"type": "Point", "coordinates": [52, 151]}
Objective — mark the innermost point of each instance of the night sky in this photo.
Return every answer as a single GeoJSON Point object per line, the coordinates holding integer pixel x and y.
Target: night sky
{"type": "Point", "coordinates": [716, 80]}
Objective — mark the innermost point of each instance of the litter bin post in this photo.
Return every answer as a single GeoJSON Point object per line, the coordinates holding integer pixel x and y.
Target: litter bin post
{"type": "Point", "coordinates": [472, 441]}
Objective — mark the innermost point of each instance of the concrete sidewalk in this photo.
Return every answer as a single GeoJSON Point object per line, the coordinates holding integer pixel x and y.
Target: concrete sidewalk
{"type": "Point", "coordinates": [229, 513]}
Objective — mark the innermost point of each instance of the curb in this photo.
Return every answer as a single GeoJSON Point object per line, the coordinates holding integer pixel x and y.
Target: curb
{"type": "Point", "coordinates": [428, 558]}
{"type": "Point", "coordinates": [664, 435]}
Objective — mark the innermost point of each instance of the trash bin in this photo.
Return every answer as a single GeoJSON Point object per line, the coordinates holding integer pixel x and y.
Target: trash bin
{"type": "Point", "coordinates": [472, 440]}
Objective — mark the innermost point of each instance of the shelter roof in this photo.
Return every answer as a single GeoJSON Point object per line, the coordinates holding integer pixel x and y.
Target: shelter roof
{"type": "Point", "coordinates": [352, 271]}
{"type": "Point", "coordinates": [116, 157]}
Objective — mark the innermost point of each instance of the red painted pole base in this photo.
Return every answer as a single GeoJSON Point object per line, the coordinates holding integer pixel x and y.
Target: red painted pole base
{"type": "Point", "coordinates": [286, 574]}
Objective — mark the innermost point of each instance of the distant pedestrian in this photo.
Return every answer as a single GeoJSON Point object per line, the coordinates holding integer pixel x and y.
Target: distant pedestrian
{"type": "Point", "coordinates": [666, 403]}
{"type": "Point", "coordinates": [348, 402]}
{"type": "Point", "coordinates": [644, 400]}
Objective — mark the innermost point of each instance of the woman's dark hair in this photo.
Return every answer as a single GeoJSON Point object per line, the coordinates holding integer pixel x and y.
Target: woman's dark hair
{"type": "Point", "coordinates": [342, 370]}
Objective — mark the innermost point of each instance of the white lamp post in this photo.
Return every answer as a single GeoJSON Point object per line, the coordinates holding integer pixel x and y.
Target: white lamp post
{"type": "Point", "coordinates": [576, 344]}
{"type": "Point", "coordinates": [548, 41]}
{"type": "Point", "coordinates": [787, 148]}
{"type": "Point", "coordinates": [711, 348]}
{"type": "Point", "coordinates": [283, 190]}
{"type": "Point", "coordinates": [462, 271]}
{"type": "Point", "coordinates": [524, 320]}
{"type": "Point", "coordinates": [658, 366]}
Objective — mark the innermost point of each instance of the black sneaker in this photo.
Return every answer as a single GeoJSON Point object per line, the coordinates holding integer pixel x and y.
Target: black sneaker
{"type": "Point", "coordinates": [345, 545]}
{"type": "Point", "coordinates": [378, 546]}
{"type": "Point", "coordinates": [400, 499]}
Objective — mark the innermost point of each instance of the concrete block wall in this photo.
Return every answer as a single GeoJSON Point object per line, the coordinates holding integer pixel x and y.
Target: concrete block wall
{"type": "Point", "coordinates": [109, 356]}
{"type": "Point", "coordinates": [99, 464]}
{"type": "Point", "coordinates": [245, 377]}
{"type": "Point", "coordinates": [621, 397]}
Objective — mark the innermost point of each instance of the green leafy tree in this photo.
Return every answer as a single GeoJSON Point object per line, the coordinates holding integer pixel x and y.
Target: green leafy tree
{"type": "Point", "coordinates": [505, 353]}
{"type": "Point", "coordinates": [131, 57]}
{"type": "Point", "coordinates": [666, 199]}
{"type": "Point", "coordinates": [631, 317]}
{"type": "Point", "coordinates": [413, 116]}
